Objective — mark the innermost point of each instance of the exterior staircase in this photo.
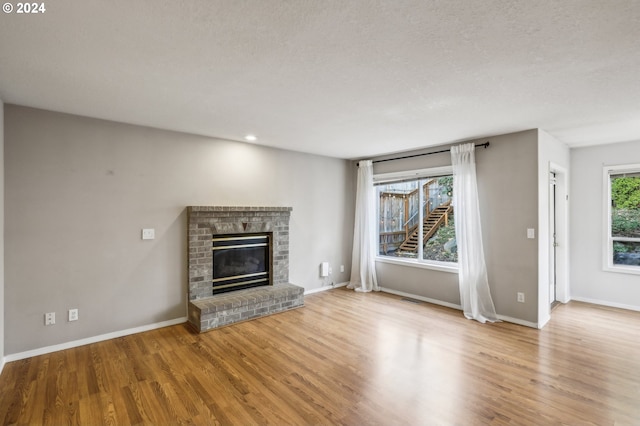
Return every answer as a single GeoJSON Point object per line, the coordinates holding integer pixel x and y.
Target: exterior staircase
{"type": "Point", "coordinates": [437, 217]}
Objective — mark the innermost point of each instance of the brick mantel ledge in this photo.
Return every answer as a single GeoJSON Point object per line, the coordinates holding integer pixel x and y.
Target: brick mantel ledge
{"type": "Point", "coordinates": [237, 209]}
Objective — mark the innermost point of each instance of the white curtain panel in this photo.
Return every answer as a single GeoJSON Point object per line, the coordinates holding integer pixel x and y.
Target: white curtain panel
{"type": "Point", "coordinates": [475, 297]}
{"type": "Point", "coordinates": [363, 270]}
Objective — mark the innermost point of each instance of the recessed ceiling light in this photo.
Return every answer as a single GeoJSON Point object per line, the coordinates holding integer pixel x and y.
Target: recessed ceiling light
{"type": "Point", "coordinates": [250, 138]}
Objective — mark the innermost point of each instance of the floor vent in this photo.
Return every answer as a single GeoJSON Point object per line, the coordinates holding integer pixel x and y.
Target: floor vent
{"type": "Point", "coordinates": [410, 300]}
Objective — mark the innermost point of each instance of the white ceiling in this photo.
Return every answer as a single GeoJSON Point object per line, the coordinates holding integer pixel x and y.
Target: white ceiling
{"type": "Point", "coordinates": [343, 78]}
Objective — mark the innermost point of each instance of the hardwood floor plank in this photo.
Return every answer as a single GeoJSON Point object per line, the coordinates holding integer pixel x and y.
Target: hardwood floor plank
{"type": "Point", "coordinates": [133, 407]}
{"type": "Point", "coordinates": [346, 358]}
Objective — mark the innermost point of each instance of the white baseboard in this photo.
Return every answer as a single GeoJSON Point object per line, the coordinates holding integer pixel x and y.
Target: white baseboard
{"type": "Point", "coordinates": [94, 339]}
{"type": "Point", "coordinates": [325, 288]}
{"type": "Point", "coordinates": [606, 303]}
{"type": "Point", "coordinates": [2, 361]}
{"type": "Point", "coordinates": [424, 299]}
{"type": "Point", "coordinates": [454, 306]}
{"type": "Point", "coordinates": [518, 321]}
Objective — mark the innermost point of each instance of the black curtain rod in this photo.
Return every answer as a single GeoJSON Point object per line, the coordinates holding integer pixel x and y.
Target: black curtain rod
{"type": "Point", "coordinates": [485, 145]}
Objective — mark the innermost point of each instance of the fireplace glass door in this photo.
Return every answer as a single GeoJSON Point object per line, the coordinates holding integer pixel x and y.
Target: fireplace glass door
{"type": "Point", "coordinates": [240, 261]}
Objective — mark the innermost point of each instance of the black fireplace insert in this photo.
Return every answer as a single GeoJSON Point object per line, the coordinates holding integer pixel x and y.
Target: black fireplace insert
{"type": "Point", "coordinates": [241, 261]}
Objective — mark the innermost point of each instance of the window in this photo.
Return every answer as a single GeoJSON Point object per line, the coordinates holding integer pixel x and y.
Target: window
{"type": "Point", "coordinates": [622, 218]}
{"type": "Point", "coordinates": [416, 218]}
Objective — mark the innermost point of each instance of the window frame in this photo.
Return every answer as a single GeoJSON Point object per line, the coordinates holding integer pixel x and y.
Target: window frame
{"type": "Point", "coordinates": [384, 178]}
{"type": "Point", "coordinates": [608, 239]}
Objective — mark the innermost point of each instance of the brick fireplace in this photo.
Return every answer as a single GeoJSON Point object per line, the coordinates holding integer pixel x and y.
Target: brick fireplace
{"type": "Point", "coordinates": [208, 223]}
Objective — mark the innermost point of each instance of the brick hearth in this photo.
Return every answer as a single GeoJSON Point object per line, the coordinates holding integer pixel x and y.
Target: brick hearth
{"type": "Point", "coordinates": [228, 308]}
{"type": "Point", "coordinates": [206, 311]}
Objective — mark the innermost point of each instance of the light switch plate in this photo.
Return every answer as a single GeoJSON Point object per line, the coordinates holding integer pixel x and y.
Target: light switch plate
{"type": "Point", "coordinates": [148, 234]}
{"type": "Point", "coordinates": [531, 233]}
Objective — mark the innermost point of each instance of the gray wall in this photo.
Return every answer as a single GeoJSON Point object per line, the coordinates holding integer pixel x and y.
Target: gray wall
{"type": "Point", "coordinates": [589, 282]}
{"type": "Point", "coordinates": [1, 235]}
{"type": "Point", "coordinates": [79, 191]}
{"type": "Point", "coordinates": [507, 174]}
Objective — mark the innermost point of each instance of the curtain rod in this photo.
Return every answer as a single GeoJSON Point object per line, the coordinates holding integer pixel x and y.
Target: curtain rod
{"type": "Point", "coordinates": [485, 145]}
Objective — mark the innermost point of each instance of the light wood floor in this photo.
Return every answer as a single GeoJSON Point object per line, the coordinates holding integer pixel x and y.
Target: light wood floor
{"type": "Point", "coordinates": [345, 358]}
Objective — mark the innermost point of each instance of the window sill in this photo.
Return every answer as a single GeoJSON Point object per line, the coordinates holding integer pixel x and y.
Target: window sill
{"type": "Point", "coordinates": [435, 266]}
{"type": "Point", "coordinates": [633, 270]}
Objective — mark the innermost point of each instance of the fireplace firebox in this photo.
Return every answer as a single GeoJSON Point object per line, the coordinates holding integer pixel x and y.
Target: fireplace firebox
{"type": "Point", "coordinates": [240, 261]}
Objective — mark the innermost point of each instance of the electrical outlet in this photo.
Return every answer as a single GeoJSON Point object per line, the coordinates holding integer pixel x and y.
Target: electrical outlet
{"type": "Point", "coordinates": [50, 318]}
{"type": "Point", "coordinates": [341, 268]}
{"type": "Point", "coordinates": [148, 234]}
{"type": "Point", "coordinates": [73, 315]}
{"type": "Point", "coordinates": [520, 297]}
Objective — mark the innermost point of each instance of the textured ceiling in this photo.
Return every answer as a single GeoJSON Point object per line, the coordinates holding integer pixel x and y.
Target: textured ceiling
{"type": "Point", "coordinates": [347, 79]}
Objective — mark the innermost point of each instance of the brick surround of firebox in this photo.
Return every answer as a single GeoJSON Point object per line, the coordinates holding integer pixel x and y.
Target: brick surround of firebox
{"type": "Point", "coordinates": [206, 311]}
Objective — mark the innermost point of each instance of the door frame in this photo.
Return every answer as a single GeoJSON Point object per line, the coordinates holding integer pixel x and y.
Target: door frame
{"type": "Point", "coordinates": [562, 233]}
{"type": "Point", "coordinates": [553, 237]}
